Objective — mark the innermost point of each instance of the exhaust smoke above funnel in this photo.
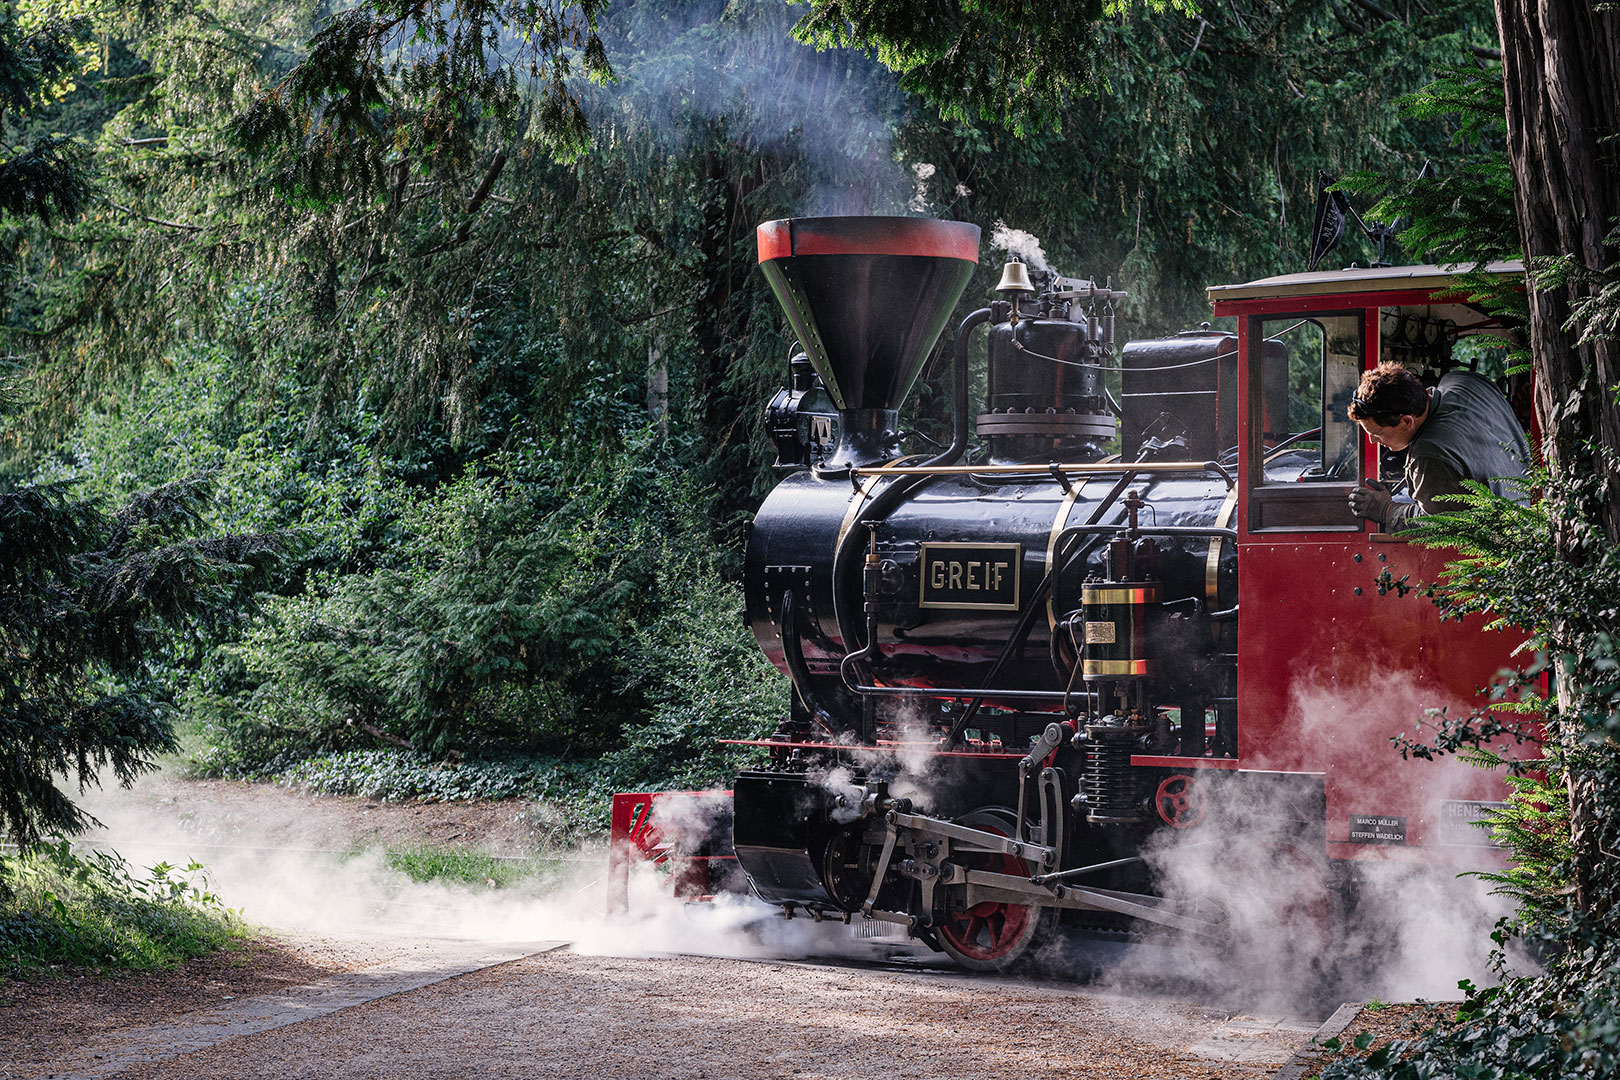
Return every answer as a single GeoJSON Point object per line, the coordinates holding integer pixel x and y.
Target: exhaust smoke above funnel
{"type": "Point", "coordinates": [867, 297]}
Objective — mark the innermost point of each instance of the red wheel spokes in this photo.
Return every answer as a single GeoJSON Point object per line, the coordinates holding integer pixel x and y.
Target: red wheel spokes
{"type": "Point", "coordinates": [989, 930]}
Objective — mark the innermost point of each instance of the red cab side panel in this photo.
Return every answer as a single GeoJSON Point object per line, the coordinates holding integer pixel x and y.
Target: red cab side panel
{"type": "Point", "coordinates": [1338, 653]}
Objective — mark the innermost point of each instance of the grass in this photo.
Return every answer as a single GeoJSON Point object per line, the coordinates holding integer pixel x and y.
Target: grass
{"type": "Point", "coordinates": [461, 866]}
{"type": "Point", "coordinates": [60, 908]}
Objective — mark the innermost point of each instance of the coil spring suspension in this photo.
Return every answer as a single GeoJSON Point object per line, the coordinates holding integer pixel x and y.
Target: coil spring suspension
{"type": "Point", "coordinates": [1111, 787]}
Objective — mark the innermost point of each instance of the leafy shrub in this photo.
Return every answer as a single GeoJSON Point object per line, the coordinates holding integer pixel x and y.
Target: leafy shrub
{"type": "Point", "coordinates": [703, 679]}
{"type": "Point", "coordinates": [461, 867]}
{"type": "Point", "coordinates": [507, 620]}
{"type": "Point", "coordinates": [396, 775]}
{"type": "Point", "coordinates": [61, 907]}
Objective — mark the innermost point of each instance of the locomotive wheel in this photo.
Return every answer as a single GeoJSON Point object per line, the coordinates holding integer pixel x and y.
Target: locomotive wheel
{"type": "Point", "coordinates": [990, 936]}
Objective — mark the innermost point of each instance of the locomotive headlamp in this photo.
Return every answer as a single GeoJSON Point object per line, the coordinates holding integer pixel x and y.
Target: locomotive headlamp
{"type": "Point", "coordinates": [1015, 278]}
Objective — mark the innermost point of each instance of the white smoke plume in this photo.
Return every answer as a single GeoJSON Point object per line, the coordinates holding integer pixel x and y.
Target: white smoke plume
{"type": "Point", "coordinates": [920, 202]}
{"type": "Point", "coordinates": [1020, 245]}
{"type": "Point", "coordinates": [713, 77]}
{"type": "Point", "coordinates": [294, 875]}
{"type": "Point", "coordinates": [1396, 922]}
{"type": "Point", "coordinates": [917, 763]}
{"type": "Point", "coordinates": [839, 782]}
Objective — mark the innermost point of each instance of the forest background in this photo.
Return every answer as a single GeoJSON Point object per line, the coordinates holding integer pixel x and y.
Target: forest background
{"type": "Point", "coordinates": [462, 325]}
{"type": "Point", "coordinates": [383, 384]}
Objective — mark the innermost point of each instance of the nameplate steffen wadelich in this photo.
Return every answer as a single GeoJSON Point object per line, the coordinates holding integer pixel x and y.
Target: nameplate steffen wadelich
{"type": "Point", "coordinates": [980, 576]}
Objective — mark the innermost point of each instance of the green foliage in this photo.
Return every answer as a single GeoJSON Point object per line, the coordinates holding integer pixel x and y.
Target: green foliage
{"type": "Point", "coordinates": [509, 613]}
{"type": "Point", "coordinates": [58, 907]}
{"type": "Point", "coordinates": [509, 608]}
{"type": "Point", "coordinates": [389, 82]}
{"type": "Point", "coordinates": [1594, 310]}
{"type": "Point", "coordinates": [398, 776]}
{"type": "Point", "coordinates": [1535, 826]}
{"type": "Point", "coordinates": [1464, 213]}
{"type": "Point", "coordinates": [506, 611]}
{"type": "Point", "coordinates": [42, 174]}
{"type": "Point", "coordinates": [1005, 64]}
{"type": "Point", "coordinates": [460, 867]}
{"type": "Point", "coordinates": [700, 678]}
{"type": "Point", "coordinates": [88, 601]}
{"type": "Point", "coordinates": [704, 679]}
{"type": "Point", "coordinates": [1504, 554]}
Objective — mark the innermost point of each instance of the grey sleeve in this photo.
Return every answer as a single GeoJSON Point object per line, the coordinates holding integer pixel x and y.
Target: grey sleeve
{"type": "Point", "coordinates": [1430, 478]}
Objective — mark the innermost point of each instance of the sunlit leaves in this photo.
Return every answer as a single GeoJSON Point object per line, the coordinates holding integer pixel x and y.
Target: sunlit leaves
{"type": "Point", "coordinates": [1018, 64]}
{"type": "Point", "coordinates": [409, 80]}
{"type": "Point", "coordinates": [43, 175]}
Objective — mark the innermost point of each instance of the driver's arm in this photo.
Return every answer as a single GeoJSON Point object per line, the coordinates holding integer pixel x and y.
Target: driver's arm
{"type": "Point", "coordinates": [1430, 479]}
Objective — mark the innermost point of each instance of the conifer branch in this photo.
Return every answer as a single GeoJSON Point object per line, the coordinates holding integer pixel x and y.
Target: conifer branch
{"type": "Point", "coordinates": [152, 220]}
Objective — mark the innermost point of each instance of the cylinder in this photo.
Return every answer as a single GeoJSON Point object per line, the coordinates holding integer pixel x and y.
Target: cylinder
{"type": "Point", "coordinates": [1046, 399]}
{"type": "Point", "coordinates": [1115, 645]}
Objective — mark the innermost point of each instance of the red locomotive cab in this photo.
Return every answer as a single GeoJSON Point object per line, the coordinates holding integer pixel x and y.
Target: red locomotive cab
{"type": "Point", "coordinates": [1340, 652]}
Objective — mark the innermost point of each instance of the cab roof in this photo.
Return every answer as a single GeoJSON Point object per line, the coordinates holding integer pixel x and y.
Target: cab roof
{"type": "Point", "coordinates": [1357, 279]}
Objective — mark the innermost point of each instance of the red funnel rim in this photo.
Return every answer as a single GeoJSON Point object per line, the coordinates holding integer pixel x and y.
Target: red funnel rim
{"type": "Point", "coordinates": [868, 236]}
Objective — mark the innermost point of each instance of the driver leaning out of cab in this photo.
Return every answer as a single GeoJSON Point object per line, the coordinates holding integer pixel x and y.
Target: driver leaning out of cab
{"type": "Point", "coordinates": [1462, 429]}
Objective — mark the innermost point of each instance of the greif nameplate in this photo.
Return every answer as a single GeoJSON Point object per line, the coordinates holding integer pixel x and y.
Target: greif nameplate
{"type": "Point", "coordinates": [979, 576]}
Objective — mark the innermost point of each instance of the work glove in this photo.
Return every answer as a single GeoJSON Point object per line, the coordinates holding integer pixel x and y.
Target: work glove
{"type": "Point", "coordinates": [1371, 501]}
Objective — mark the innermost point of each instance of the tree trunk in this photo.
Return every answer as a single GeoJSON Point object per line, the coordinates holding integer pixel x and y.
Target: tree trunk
{"type": "Point", "coordinates": [1561, 69]}
{"type": "Point", "coordinates": [1561, 65]}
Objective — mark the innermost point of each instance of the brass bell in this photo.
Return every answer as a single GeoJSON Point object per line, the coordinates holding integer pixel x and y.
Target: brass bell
{"type": "Point", "coordinates": [1015, 278]}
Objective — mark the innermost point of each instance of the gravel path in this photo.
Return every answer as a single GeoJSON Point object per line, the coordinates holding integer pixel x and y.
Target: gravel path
{"type": "Point", "coordinates": [564, 1015]}
{"type": "Point", "coordinates": [373, 978]}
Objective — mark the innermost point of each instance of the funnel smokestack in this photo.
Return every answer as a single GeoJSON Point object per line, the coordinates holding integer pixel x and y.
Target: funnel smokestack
{"type": "Point", "coordinates": [868, 298]}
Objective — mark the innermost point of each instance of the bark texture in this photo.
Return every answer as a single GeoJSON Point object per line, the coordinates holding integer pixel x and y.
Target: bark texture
{"type": "Point", "coordinates": [1561, 68]}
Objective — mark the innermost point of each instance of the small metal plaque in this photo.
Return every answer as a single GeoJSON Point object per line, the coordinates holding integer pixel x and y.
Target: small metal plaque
{"type": "Point", "coordinates": [1100, 633]}
{"type": "Point", "coordinates": [1458, 818]}
{"type": "Point", "coordinates": [1377, 829]}
{"type": "Point", "coordinates": [983, 577]}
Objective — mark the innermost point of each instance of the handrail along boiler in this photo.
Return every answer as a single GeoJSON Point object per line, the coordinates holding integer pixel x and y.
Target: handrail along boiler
{"type": "Point", "coordinates": [1017, 666]}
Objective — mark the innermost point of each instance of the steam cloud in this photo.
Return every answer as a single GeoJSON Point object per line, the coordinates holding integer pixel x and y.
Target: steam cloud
{"type": "Point", "coordinates": [1404, 928]}
{"type": "Point", "coordinates": [751, 86]}
{"type": "Point", "coordinates": [1416, 929]}
{"type": "Point", "coordinates": [292, 875]}
{"type": "Point", "coordinates": [1020, 245]}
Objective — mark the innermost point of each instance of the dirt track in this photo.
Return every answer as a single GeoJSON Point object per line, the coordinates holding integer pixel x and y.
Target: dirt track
{"type": "Point", "coordinates": [560, 1014]}
{"type": "Point", "coordinates": [384, 990]}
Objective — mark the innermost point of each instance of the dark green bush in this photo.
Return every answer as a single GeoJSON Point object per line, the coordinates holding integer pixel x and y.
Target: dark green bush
{"type": "Point", "coordinates": [508, 617]}
{"type": "Point", "coordinates": [700, 676]}
{"type": "Point", "coordinates": [400, 775]}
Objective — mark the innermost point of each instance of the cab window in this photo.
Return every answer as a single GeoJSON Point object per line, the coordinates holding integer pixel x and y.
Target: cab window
{"type": "Point", "coordinates": [1305, 450]}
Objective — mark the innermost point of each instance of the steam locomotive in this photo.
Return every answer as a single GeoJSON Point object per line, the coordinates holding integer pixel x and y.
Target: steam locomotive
{"type": "Point", "coordinates": [1034, 669]}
